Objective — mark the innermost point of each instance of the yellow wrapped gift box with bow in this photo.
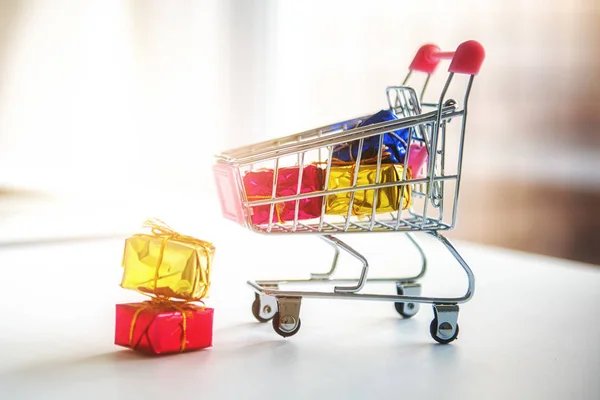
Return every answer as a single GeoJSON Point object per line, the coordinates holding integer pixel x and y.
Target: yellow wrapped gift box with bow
{"type": "Point", "coordinates": [167, 264]}
{"type": "Point", "coordinates": [388, 198]}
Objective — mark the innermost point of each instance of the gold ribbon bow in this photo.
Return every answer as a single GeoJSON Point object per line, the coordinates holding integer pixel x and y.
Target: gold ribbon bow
{"type": "Point", "coordinates": [358, 210]}
{"type": "Point", "coordinates": [278, 206]}
{"type": "Point", "coordinates": [164, 304]}
{"type": "Point", "coordinates": [161, 230]}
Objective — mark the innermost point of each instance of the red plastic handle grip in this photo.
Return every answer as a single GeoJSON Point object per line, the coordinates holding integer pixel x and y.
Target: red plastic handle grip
{"type": "Point", "coordinates": [467, 58]}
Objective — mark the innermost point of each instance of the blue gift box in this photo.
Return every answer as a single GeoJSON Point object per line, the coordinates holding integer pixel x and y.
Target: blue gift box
{"type": "Point", "coordinates": [394, 143]}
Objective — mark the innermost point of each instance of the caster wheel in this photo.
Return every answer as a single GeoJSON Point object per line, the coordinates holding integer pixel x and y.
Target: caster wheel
{"type": "Point", "coordinates": [286, 326]}
{"type": "Point", "coordinates": [262, 312]}
{"type": "Point", "coordinates": [433, 330]}
{"type": "Point", "coordinates": [407, 310]}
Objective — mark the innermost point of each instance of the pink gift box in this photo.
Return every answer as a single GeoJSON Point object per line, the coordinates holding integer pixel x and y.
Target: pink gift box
{"type": "Point", "coordinates": [259, 186]}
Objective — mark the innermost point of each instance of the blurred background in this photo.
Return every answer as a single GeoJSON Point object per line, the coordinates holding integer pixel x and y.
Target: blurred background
{"type": "Point", "coordinates": [111, 110]}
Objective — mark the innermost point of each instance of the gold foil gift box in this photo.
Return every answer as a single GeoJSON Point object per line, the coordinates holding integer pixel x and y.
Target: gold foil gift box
{"type": "Point", "coordinates": [388, 199]}
{"type": "Point", "coordinates": [167, 264]}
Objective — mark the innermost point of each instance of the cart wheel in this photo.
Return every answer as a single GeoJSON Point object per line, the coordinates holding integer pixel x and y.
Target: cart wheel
{"type": "Point", "coordinates": [286, 326]}
{"type": "Point", "coordinates": [408, 310]}
{"type": "Point", "coordinates": [445, 327]}
{"type": "Point", "coordinates": [262, 312]}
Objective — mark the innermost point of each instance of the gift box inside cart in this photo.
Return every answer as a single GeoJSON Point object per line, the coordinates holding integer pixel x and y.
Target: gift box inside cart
{"type": "Point", "coordinates": [395, 170]}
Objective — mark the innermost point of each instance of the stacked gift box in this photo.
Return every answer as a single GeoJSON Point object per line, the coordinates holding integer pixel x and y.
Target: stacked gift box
{"type": "Point", "coordinates": [258, 183]}
{"type": "Point", "coordinates": [173, 270]}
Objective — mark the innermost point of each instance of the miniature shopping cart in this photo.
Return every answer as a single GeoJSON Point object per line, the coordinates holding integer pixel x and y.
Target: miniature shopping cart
{"type": "Point", "coordinates": [329, 197]}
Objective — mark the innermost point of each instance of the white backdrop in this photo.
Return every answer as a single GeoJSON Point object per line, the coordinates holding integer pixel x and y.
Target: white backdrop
{"type": "Point", "coordinates": [126, 100]}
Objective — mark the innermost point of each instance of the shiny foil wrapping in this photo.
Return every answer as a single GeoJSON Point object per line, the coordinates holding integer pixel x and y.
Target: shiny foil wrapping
{"type": "Point", "coordinates": [167, 266]}
{"type": "Point", "coordinates": [159, 329]}
{"type": "Point", "coordinates": [259, 186]}
{"type": "Point", "coordinates": [394, 143]}
{"type": "Point", "coordinates": [388, 199]}
{"type": "Point", "coordinates": [417, 160]}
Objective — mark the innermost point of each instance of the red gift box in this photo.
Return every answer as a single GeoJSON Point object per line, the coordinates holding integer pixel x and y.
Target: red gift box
{"type": "Point", "coordinates": [165, 327]}
{"type": "Point", "coordinates": [259, 186]}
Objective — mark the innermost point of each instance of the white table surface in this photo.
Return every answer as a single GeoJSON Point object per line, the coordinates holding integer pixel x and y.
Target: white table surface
{"type": "Point", "coordinates": [530, 332]}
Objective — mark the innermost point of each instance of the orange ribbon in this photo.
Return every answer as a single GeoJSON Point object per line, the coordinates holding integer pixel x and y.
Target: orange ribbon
{"type": "Point", "coordinates": [278, 206]}
{"type": "Point", "coordinates": [357, 209]}
{"type": "Point", "coordinates": [161, 230]}
{"type": "Point", "coordinates": [164, 304]}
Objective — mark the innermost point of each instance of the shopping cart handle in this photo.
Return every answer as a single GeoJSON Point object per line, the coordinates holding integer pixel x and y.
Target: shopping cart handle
{"type": "Point", "coordinates": [467, 58]}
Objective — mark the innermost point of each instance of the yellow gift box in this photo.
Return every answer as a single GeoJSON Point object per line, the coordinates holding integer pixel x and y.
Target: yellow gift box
{"type": "Point", "coordinates": [388, 199]}
{"type": "Point", "coordinates": [167, 264]}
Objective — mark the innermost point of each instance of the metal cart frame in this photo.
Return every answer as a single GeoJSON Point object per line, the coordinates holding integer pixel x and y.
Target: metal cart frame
{"type": "Point", "coordinates": [429, 128]}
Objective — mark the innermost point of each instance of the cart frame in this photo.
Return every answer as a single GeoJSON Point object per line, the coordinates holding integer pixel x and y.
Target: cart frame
{"type": "Point", "coordinates": [283, 306]}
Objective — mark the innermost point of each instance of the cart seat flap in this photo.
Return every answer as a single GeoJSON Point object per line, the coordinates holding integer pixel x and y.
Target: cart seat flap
{"type": "Point", "coordinates": [229, 195]}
